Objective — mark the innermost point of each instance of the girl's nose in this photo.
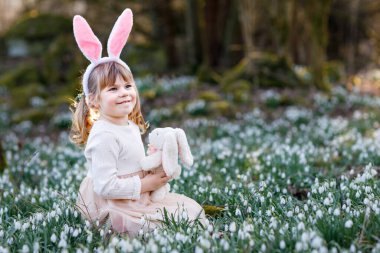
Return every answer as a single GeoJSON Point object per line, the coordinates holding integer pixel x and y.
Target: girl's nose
{"type": "Point", "coordinates": [123, 93]}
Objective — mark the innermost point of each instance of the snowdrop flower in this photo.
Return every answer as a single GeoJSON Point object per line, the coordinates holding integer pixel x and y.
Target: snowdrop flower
{"type": "Point", "coordinates": [316, 242]}
{"type": "Point", "coordinates": [62, 243]}
{"type": "Point", "coordinates": [17, 225]}
{"type": "Point", "coordinates": [282, 244]}
{"type": "Point", "coordinates": [25, 249]}
{"type": "Point", "coordinates": [205, 243]}
{"type": "Point", "coordinates": [348, 224]}
{"type": "Point", "coordinates": [336, 212]}
{"type": "Point", "coordinates": [225, 245]}
{"type": "Point", "coordinates": [142, 220]}
{"type": "Point", "coordinates": [319, 214]}
{"type": "Point", "coordinates": [232, 227]}
{"type": "Point", "coordinates": [198, 250]}
{"type": "Point", "coordinates": [298, 246]}
{"type": "Point", "coordinates": [53, 238]}
{"type": "Point", "coordinates": [301, 226]}
{"type": "Point", "coordinates": [36, 247]}
{"type": "Point", "coordinates": [75, 233]}
{"type": "Point", "coordinates": [89, 238]}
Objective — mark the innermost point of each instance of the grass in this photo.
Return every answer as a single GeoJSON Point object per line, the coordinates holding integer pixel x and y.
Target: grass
{"type": "Point", "coordinates": [305, 180]}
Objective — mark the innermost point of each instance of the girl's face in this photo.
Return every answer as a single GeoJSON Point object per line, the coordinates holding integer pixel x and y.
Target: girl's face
{"type": "Point", "coordinates": [117, 101]}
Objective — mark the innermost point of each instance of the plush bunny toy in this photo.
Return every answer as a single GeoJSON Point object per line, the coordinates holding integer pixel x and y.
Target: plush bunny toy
{"type": "Point", "coordinates": [165, 144]}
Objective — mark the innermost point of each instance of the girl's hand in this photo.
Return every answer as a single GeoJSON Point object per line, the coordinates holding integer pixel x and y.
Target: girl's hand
{"type": "Point", "coordinates": [152, 182]}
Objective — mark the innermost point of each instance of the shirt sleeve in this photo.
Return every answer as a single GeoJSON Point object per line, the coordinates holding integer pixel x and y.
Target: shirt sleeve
{"type": "Point", "coordinates": [104, 153]}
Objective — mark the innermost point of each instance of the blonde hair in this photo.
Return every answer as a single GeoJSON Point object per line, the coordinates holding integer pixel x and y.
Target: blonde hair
{"type": "Point", "coordinates": [101, 77]}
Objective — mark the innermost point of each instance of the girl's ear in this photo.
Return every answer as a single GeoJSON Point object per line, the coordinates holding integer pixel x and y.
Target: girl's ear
{"type": "Point", "coordinates": [92, 102]}
{"type": "Point", "coordinates": [120, 33]}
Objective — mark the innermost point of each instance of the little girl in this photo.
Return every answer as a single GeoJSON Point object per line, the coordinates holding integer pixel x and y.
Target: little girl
{"type": "Point", "coordinates": [108, 120]}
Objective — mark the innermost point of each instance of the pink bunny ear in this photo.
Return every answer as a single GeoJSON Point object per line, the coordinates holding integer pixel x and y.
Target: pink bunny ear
{"type": "Point", "coordinates": [119, 34]}
{"type": "Point", "coordinates": [87, 41]}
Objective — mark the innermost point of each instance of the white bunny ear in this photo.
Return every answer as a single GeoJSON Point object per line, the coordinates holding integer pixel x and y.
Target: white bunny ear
{"type": "Point", "coordinates": [87, 41]}
{"type": "Point", "coordinates": [170, 154]}
{"type": "Point", "coordinates": [120, 33]}
{"type": "Point", "coordinates": [184, 148]}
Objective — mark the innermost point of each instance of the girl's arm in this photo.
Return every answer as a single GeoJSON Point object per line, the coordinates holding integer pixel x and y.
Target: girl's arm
{"type": "Point", "coordinates": [154, 181]}
{"type": "Point", "coordinates": [104, 151]}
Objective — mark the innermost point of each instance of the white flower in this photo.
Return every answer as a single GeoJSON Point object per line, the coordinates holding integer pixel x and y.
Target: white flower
{"type": "Point", "coordinates": [75, 232]}
{"type": "Point", "coordinates": [17, 225]}
{"type": "Point", "coordinates": [89, 238]}
{"type": "Point", "coordinates": [142, 220]}
{"type": "Point", "coordinates": [298, 246]}
{"type": "Point", "coordinates": [348, 224]}
{"type": "Point", "coordinates": [316, 242]}
{"type": "Point", "coordinates": [232, 227]}
{"type": "Point", "coordinates": [205, 243]}
{"type": "Point", "coordinates": [319, 214]}
{"type": "Point", "coordinates": [53, 238]}
{"type": "Point", "coordinates": [282, 244]}
{"type": "Point", "coordinates": [62, 243]}
{"type": "Point", "coordinates": [301, 226]}
{"type": "Point", "coordinates": [36, 247]}
{"type": "Point", "coordinates": [337, 212]}
{"type": "Point", "coordinates": [198, 250]}
{"type": "Point", "coordinates": [225, 244]}
{"type": "Point", "coordinates": [25, 249]}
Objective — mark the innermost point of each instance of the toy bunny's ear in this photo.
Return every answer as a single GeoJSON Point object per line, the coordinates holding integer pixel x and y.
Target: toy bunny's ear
{"type": "Point", "coordinates": [87, 41]}
{"type": "Point", "coordinates": [170, 154]}
{"type": "Point", "coordinates": [120, 33]}
{"type": "Point", "coordinates": [184, 148]}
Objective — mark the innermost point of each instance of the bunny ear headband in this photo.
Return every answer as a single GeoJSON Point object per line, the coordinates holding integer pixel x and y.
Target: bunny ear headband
{"type": "Point", "coordinates": [91, 47]}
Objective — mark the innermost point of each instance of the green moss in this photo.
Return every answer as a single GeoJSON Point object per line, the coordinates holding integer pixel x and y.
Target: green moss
{"type": "Point", "coordinates": [179, 108]}
{"type": "Point", "coordinates": [21, 75]}
{"type": "Point", "coordinates": [61, 64]}
{"type": "Point", "coordinates": [21, 94]}
{"type": "Point", "coordinates": [44, 26]}
{"type": "Point", "coordinates": [213, 210]}
{"type": "Point", "coordinates": [221, 108]}
{"type": "Point", "coordinates": [35, 115]}
{"type": "Point", "coordinates": [209, 96]}
{"type": "Point", "coordinates": [149, 94]}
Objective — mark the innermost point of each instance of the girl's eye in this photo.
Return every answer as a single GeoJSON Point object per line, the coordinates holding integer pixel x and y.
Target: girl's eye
{"type": "Point", "coordinates": [128, 86]}
{"type": "Point", "coordinates": [112, 89]}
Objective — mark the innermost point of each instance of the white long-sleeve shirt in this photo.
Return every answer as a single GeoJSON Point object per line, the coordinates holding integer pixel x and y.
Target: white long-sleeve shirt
{"type": "Point", "coordinates": [114, 150]}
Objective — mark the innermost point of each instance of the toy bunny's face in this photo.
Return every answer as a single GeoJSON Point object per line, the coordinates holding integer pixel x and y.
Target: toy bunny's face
{"type": "Point", "coordinates": [157, 136]}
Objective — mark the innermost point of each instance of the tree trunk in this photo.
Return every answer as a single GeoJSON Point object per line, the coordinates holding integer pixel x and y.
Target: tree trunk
{"type": "Point", "coordinates": [193, 39]}
{"type": "Point", "coordinates": [166, 34]}
{"type": "Point", "coordinates": [247, 22]}
{"type": "Point", "coordinates": [213, 20]}
{"type": "Point", "coordinates": [318, 12]}
{"type": "Point", "coordinates": [354, 13]}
